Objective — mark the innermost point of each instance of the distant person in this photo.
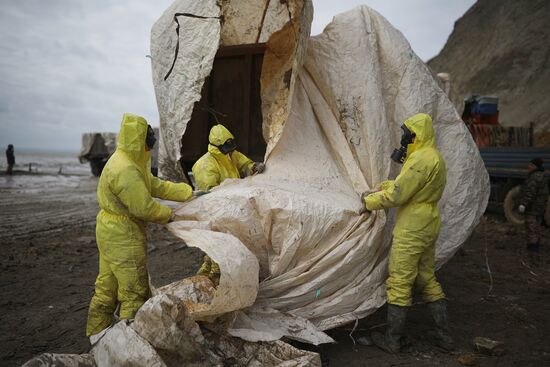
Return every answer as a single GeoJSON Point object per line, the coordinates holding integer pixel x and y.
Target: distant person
{"type": "Point", "coordinates": [533, 201]}
{"type": "Point", "coordinates": [125, 194]}
{"type": "Point", "coordinates": [416, 191]}
{"type": "Point", "coordinates": [10, 156]}
{"type": "Point", "coordinates": [222, 161]}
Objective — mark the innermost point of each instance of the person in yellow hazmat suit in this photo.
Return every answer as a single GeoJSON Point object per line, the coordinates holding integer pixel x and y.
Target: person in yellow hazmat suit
{"type": "Point", "coordinates": [125, 194]}
{"type": "Point", "coordinates": [416, 191]}
{"type": "Point", "coordinates": [220, 162]}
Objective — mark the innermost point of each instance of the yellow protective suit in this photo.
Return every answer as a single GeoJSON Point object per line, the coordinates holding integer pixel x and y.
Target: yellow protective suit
{"type": "Point", "coordinates": [212, 169]}
{"type": "Point", "coordinates": [125, 194]}
{"type": "Point", "coordinates": [214, 166]}
{"type": "Point", "coordinates": [416, 191]}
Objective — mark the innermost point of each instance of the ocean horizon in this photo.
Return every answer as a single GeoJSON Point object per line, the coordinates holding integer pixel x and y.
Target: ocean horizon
{"type": "Point", "coordinates": [47, 161]}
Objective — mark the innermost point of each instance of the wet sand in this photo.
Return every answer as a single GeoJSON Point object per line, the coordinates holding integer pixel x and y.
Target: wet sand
{"type": "Point", "coordinates": [49, 265]}
{"type": "Point", "coordinates": [50, 261]}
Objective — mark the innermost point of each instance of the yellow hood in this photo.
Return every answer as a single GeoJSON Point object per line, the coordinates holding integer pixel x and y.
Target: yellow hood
{"type": "Point", "coordinates": [131, 139]}
{"type": "Point", "coordinates": [421, 125]}
{"type": "Point", "coordinates": [218, 135]}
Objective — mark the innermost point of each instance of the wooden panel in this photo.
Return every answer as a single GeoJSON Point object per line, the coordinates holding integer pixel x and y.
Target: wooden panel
{"type": "Point", "coordinates": [233, 89]}
{"type": "Point", "coordinates": [257, 145]}
{"type": "Point", "coordinates": [197, 129]}
{"type": "Point", "coordinates": [227, 94]}
{"type": "Point", "coordinates": [241, 50]}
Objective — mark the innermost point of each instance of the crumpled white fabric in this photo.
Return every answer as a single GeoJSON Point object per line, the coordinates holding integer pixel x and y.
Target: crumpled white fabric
{"type": "Point", "coordinates": [319, 259]}
{"type": "Point", "coordinates": [164, 334]}
{"type": "Point", "coordinates": [61, 360]}
{"type": "Point", "coordinates": [123, 346]}
{"type": "Point", "coordinates": [198, 43]}
{"type": "Point", "coordinates": [201, 32]}
{"type": "Point", "coordinates": [238, 285]}
{"type": "Point", "coordinates": [267, 324]}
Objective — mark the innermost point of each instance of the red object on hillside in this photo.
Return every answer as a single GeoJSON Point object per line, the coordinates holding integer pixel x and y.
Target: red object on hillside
{"type": "Point", "coordinates": [480, 110]}
{"type": "Point", "coordinates": [480, 119]}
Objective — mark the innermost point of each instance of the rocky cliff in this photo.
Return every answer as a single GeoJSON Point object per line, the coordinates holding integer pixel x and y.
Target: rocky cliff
{"type": "Point", "coordinates": [502, 47]}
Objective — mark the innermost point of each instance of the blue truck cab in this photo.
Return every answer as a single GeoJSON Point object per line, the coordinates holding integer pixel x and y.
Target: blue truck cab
{"type": "Point", "coordinates": [507, 168]}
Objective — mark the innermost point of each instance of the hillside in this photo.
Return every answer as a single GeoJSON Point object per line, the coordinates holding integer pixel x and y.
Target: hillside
{"type": "Point", "coordinates": [503, 47]}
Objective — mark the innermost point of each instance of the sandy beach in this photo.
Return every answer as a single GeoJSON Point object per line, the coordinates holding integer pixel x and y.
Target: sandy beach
{"type": "Point", "coordinates": [49, 265]}
{"type": "Point", "coordinates": [47, 232]}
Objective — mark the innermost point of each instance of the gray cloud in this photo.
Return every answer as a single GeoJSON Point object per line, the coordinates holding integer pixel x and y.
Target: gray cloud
{"type": "Point", "coordinates": [68, 67]}
{"type": "Point", "coordinates": [425, 23]}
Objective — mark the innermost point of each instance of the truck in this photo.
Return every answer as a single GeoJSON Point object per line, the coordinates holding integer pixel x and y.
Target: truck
{"type": "Point", "coordinates": [98, 147]}
{"type": "Point", "coordinates": [507, 168]}
{"type": "Point", "coordinates": [505, 151]}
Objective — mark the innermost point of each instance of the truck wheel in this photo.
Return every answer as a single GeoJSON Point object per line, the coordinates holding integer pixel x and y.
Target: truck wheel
{"type": "Point", "coordinates": [511, 203]}
{"type": "Point", "coordinates": [97, 167]}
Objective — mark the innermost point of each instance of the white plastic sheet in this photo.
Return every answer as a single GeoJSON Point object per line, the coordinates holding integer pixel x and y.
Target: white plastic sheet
{"type": "Point", "coordinates": [122, 346]}
{"type": "Point", "coordinates": [198, 42]}
{"type": "Point", "coordinates": [164, 334]}
{"type": "Point", "coordinates": [238, 285]}
{"type": "Point", "coordinates": [61, 360]}
{"type": "Point", "coordinates": [166, 324]}
{"type": "Point", "coordinates": [319, 259]}
{"type": "Point", "coordinates": [284, 26]}
{"type": "Point", "coordinates": [265, 323]}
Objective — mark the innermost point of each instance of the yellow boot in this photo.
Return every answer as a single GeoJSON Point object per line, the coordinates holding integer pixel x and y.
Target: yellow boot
{"type": "Point", "coordinates": [214, 273]}
{"type": "Point", "coordinates": [206, 266]}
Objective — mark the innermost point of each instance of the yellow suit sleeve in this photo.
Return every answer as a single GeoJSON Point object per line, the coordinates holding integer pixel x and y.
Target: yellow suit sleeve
{"type": "Point", "coordinates": [206, 175]}
{"type": "Point", "coordinates": [131, 190]}
{"type": "Point", "coordinates": [243, 163]}
{"type": "Point", "coordinates": [167, 190]}
{"type": "Point", "coordinates": [385, 184]}
{"type": "Point", "coordinates": [412, 178]}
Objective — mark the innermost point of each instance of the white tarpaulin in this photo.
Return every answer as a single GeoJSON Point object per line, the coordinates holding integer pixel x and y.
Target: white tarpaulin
{"type": "Point", "coordinates": [319, 259]}
{"type": "Point", "coordinates": [164, 334]}
{"type": "Point", "coordinates": [184, 42]}
{"type": "Point", "coordinates": [198, 38]}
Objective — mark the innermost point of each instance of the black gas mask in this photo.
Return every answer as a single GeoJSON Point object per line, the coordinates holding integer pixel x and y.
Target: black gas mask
{"type": "Point", "coordinates": [227, 147]}
{"type": "Point", "coordinates": [150, 138]}
{"type": "Point", "coordinates": [407, 138]}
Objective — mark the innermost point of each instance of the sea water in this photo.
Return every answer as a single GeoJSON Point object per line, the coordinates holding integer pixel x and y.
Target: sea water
{"type": "Point", "coordinates": [43, 172]}
{"type": "Point", "coordinates": [47, 162]}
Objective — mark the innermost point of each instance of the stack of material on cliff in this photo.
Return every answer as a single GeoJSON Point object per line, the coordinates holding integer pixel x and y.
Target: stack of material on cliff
{"type": "Point", "coordinates": [502, 48]}
{"type": "Point", "coordinates": [97, 145]}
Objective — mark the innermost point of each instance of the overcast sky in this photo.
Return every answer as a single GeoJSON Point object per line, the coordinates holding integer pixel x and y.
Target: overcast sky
{"type": "Point", "coordinates": [73, 66]}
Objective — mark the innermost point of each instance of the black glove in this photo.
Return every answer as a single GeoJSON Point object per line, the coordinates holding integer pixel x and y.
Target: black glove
{"type": "Point", "coordinates": [198, 193]}
{"type": "Point", "coordinates": [172, 217]}
{"type": "Point", "coordinates": [258, 167]}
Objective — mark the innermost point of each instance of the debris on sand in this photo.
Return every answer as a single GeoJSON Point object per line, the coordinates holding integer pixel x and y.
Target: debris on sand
{"type": "Point", "coordinates": [365, 340]}
{"type": "Point", "coordinates": [165, 334]}
{"type": "Point", "coordinates": [488, 346]}
{"type": "Point", "coordinates": [61, 360]}
{"type": "Point", "coordinates": [467, 359]}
